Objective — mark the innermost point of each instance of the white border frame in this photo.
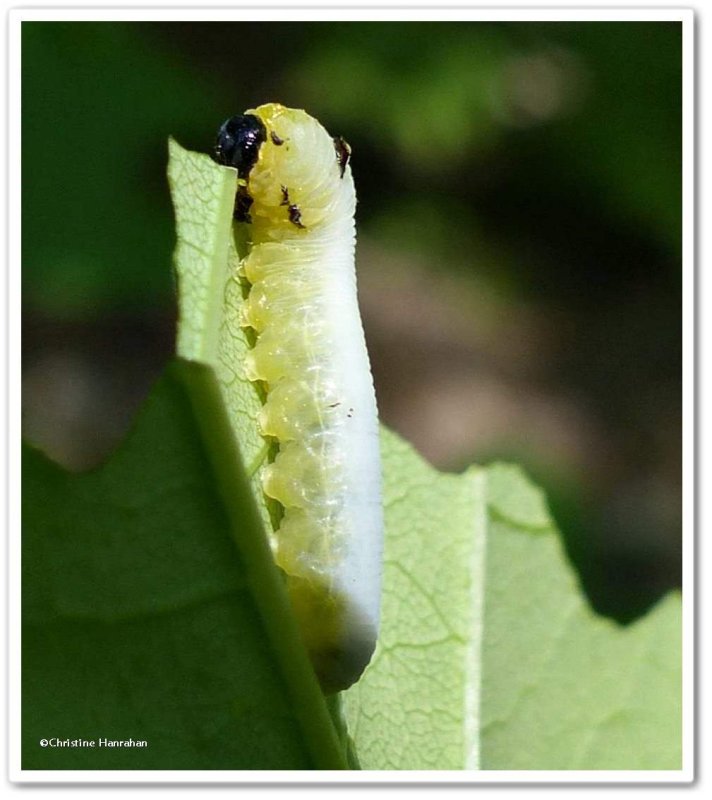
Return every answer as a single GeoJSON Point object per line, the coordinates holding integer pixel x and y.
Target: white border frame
{"type": "Point", "coordinates": [397, 11]}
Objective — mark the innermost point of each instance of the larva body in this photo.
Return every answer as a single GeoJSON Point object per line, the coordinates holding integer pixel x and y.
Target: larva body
{"type": "Point", "coordinates": [297, 199]}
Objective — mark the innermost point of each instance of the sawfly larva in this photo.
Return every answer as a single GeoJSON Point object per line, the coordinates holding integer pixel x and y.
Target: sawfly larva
{"type": "Point", "coordinates": [295, 202]}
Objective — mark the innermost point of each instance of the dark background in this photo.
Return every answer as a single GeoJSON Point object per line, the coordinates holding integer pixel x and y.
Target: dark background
{"type": "Point", "coordinates": [519, 244]}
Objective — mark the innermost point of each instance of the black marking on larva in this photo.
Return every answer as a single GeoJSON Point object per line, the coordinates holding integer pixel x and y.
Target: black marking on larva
{"type": "Point", "coordinates": [243, 202]}
{"type": "Point", "coordinates": [285, 196]}
{"type": "Point", "coordinates": [295, 215]}
{"type": "Point", "coordinates": [275, 139]}
{"type": "Point", "coordinates": [238, 142]}
{"type": "Point", "coordinates": [343, 153]}
{"type": "Point", "coordinates": [351, 413]}
{"type": "Point", "coordinates": [334, 405]}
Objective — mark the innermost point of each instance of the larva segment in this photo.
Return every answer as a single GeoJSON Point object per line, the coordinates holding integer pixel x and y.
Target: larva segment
{"type": "Point", "coordinates": [310, 356]}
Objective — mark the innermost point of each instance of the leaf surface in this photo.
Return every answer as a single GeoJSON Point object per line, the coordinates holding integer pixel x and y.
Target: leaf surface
{"type": "Point", "coordinates": [152, 609]}
{"type": "Point", "coordinates": [489, 654]}
{"type": "Point", "coordinates": [562, 687]}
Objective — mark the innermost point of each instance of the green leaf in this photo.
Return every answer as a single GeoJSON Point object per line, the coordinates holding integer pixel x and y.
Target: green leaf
{"type": "Point", "coordinates": [417, 704]}
{"type": "Point", "coordinates": [153, 610]}
{"type": "Point", "coordinates": [496, 640]}
{"type": "Point", "coordinates": [562, 687]}
{"type": "Point", "coordinates": [210, 294]}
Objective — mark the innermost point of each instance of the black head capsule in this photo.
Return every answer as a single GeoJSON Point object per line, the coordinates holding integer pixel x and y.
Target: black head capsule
{"type": "Point", "coordinates": [238, 142]}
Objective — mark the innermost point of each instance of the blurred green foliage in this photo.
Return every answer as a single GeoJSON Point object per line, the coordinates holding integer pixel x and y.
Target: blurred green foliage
{"type": "Point", "coordinates": [538, 164]}
{"type": "Point", "coordinates": [428, 104]}
{"type": "Point", "coordinates": [97, 104]}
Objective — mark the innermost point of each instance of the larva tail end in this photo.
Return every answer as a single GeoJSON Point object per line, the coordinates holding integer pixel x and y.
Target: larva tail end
{"type": "Point", "coordinates": [340, 646]}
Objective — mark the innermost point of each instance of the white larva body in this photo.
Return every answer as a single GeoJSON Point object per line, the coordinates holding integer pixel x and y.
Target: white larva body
{"type": "Point", "coordinates": [311, 358]}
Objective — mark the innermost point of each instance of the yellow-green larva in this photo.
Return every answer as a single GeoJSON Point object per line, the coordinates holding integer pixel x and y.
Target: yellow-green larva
{"type": "Point", "coordinates": [296, 198]}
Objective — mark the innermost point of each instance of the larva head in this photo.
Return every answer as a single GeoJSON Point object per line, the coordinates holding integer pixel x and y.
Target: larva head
{"type": "Point", "coordinates": [238, 142]}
